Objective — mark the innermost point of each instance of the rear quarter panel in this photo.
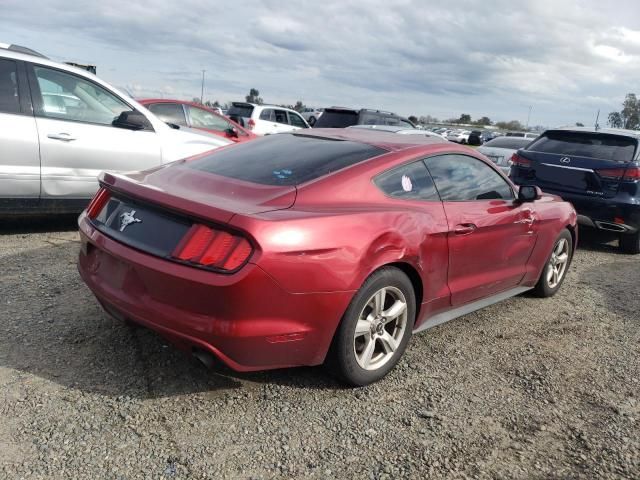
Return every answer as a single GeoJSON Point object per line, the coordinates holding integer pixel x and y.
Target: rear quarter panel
{"type": "Point", "coordinates": [552, 216]}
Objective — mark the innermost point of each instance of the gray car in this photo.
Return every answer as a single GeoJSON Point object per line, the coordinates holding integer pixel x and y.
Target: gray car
{"type": "Point", "coordinates": [499, 150]}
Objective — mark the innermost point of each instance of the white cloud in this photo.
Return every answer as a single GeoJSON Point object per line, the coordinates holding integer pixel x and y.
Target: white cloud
{"type": "Point", "coordinates": [492, 58]}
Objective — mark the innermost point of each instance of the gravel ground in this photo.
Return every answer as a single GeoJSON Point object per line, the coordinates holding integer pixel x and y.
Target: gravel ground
{"type": "Point", "coordinates": [528, 388]}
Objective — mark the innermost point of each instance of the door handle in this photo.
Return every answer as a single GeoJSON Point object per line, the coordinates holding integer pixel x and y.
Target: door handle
{"type": "Point", "coordinates": [464, 229]}
{"type": "Point", "coordinates": [65, 137]}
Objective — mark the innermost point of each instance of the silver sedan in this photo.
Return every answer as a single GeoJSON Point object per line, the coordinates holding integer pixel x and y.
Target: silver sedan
{"type": "Point", "coordinates": [499, 150]}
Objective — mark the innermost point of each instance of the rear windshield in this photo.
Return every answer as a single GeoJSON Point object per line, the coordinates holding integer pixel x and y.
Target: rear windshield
{"type": "Point", "coordinates": [285, 159]}
{"type": "Point", "coordinates": [513, 143]}
{"type": "Point", "coordinates": [586, 144]}
{"type": "Point", "coordinates": [240, 111]}
{"type": "Point", "coordinates": [337, 119]}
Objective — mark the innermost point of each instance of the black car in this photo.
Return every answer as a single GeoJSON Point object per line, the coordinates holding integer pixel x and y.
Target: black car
{"type": "Point", "coordinates": [596, 170]}
{"type": "Point", "coordinates": [475, 138]}
{"type": "Point", "coordinates": [338, 117]}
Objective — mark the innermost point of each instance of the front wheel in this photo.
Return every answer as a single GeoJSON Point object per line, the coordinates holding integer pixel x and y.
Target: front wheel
{"type": "Point", "coordinates": [630, 243]}
{"type": "Point", "coordinates": [375, 329]}
{"type": "Point", "coordinates": [555, 269]}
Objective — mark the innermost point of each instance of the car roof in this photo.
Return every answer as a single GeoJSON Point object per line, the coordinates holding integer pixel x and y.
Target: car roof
{"type": "Point", "coordinates": [610, 131]}
{"type": "Point", "coordinates": [378, 138]}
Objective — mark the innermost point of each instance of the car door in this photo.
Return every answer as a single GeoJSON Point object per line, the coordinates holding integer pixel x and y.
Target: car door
{"type": "Point", "coordinates": [412, 190]}
{"type": "Point", "coordinates": [19, 152]}
{"type": "Point", "coordinates": [266, 122]}
{"type": "Point", "coordinates": [281, 121]}
{"type": "Point", "coordinates": [77, 137]}
{"type": "Point", "coordinates": [491, 235]}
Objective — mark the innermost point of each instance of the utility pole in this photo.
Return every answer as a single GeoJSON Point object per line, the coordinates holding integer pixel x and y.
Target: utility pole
{"type": "Point", "coordinates": [202, 89]}
{"type": "Point", "coordinates": [597, 117]}
{"type": "Point", "coordinates": [528, 117]}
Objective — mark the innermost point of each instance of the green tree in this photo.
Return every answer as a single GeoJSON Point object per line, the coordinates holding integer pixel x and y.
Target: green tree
{"type": "Point", "coordinates": [413, 119]}
{"type": "Point", "coordinates": [579, 124]}
{"type": "Point", "coordinates": [629, 116]}
{"type": "Point", "coordinates": [615, 120]}
{"type": "Point", "coordinates": [254, 97]}
{"type": "Point", "coordinates": [512, 125]}
{"type": "Point", "coordinates": [483, 121]}
{"type": "Point", "coordinates": [465, 118]}
{"type": "Point", "coordinates": [299, 106]}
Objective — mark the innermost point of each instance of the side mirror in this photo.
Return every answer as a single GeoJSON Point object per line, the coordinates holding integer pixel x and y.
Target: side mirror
{"type": "Point", "coordinates": [232, 132]}
{"type": "Point", "coordinates": [529, 193]}
{"type": "Point", "coordinates": [131, 120]}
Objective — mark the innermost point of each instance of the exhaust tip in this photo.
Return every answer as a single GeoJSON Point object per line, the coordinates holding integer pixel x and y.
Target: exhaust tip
{"type": "Point", "coordinates": [612, 227]}
{"type": "Point", "coordinates": [205, 358]}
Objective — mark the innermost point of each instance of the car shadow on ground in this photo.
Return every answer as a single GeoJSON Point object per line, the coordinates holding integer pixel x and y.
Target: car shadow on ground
{"type": "Point", "coordinates": [40, 224]}
{"type": "Point", "coordinates": [594, 240]}
{"type": "Point", "coordinates": [53, 328]}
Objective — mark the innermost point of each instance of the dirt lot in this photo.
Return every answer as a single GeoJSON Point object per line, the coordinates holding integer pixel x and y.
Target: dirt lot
{"type": "Point", "coordinates": [528, 388]}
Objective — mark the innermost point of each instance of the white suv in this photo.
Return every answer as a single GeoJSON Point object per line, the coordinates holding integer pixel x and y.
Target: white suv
{"type": "Point", "coordinates": [266, 119]}
{"type": "Point", "coordinates": [60, 126]}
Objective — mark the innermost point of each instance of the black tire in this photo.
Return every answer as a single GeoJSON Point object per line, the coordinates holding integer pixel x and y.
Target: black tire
{"type": "Point", "coordinates": [630, 243]}
{"type": "Point", "coordinates": [544, 288]}
{"type": "Point", "coordinates": [312, 121]}
{"type": "Point", "coordinates": [341, 359]}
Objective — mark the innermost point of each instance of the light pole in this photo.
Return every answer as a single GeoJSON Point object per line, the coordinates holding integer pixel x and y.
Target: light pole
{"type": "Point", "coordinates": [202, 88]}
{"type": "Point", "coordinates": [528, 117]}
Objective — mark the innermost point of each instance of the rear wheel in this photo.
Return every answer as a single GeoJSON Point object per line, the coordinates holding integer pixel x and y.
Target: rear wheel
{"type": "Point", "coordinates": [375, 329]}
{"type": "Point", "coordinates": [630, 243]}
{"type": "Point", "coordinates": [556, 267]}
{"type": "Point", "coordinates": [312, 121]}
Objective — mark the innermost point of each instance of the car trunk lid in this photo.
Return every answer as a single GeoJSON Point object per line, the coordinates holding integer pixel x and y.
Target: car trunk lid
{"type": "Point", "coordinates": [585, 163]}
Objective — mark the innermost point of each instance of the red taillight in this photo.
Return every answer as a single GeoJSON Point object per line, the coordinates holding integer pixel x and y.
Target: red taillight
{"type": "Point", "coordinates": [213, 248]}
{"type": "Point", "coordinates": [520, 161]}
{"type": "Point", "coordinates": [97, 203]}
{"type": "Point", "coordinates": [251, 124]}
{"type": "Point", "coordinates": [629, 174]}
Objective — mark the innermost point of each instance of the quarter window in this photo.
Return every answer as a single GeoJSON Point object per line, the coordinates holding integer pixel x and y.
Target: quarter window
{"type": "Point", "coordinates": [408, 182]}
{"type": "Point", "coordinates": [8, 87]}
{"type": "Point", "coordinates": [69, 97]}
{"type": "Point", "coordinates": [267, 114]}
{"type": "Point", "coordinates": [169, 113]}
{"type": "Point", "coordinates": [460, 178]}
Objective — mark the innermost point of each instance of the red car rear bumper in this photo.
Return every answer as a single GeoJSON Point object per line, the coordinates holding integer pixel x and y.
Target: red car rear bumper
{"type": "Point", "coordinates": [246, 319]}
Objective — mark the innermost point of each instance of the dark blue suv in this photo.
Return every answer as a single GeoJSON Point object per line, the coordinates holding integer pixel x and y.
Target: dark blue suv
{"type": "Point", "coordinates": [596, 170]}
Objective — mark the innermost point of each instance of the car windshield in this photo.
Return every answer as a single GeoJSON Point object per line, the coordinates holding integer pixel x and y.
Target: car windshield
{"type": "Point", "coordinates": [512, 143]}
{"type": "Point", "coordinates": [285, 159]}
{"type": "Point", "coordinates": [603, 146]}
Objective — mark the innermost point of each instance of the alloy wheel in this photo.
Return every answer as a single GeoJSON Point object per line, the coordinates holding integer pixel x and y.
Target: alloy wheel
{"type": "Point", "coordinates": [380, 328]}
{"type": "Point", "coordinates": [558, 263]}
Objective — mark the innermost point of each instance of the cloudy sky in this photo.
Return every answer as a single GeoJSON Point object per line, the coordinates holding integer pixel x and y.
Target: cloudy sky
{"type": "Point", "coordinates": [565, 58]}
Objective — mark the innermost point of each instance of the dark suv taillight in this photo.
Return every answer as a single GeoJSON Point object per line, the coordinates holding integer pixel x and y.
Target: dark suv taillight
{"type": "Point", "coordinates": [520, 161]}
{"type": "Point", "coordinates": [628, 174]}
{"type": "Point", "coordinates": [213, 248]}
{"type": "Point", "coordinates": [98, 202]}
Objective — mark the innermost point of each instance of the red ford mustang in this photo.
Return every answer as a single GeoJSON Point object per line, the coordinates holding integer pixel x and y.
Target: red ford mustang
{"type": "Point", "coordinates": [325, 246]}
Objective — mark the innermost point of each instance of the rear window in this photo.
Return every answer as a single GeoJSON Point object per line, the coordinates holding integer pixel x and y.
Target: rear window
{"type": "Point", "coordinates": [240, 111]}
{"type": "Point", "coordinates": [585, 144]}
{"type": "Point", "coordinates": [337, 119]}
{"type": "Point", "coordinates": [285, 159]}
{"type": "Point", "coordinates": [512, 143]}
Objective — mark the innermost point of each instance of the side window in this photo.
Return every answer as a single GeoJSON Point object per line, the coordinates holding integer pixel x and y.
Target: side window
{"type": "Point", "coordinates": [9, 102]}
{"type": "Point", "coordinates": [296, 120]}
{"type": "Point", "coordinates": [70, 97]}
{"type": "Point", "coordinates": [169, 113]}
{"type": "Point", "coordinates": [408, 182]}
{"type": "Point", "coordinates": [280, 116]}
{"type": "Point", "coordinates": [267, 114]}
{"type": "Point", "coordinates": [371, 119]}
{"type": "Point", "coordinates": [201, 118]}
{"type": "Point", "coordinates": [460, 178]}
